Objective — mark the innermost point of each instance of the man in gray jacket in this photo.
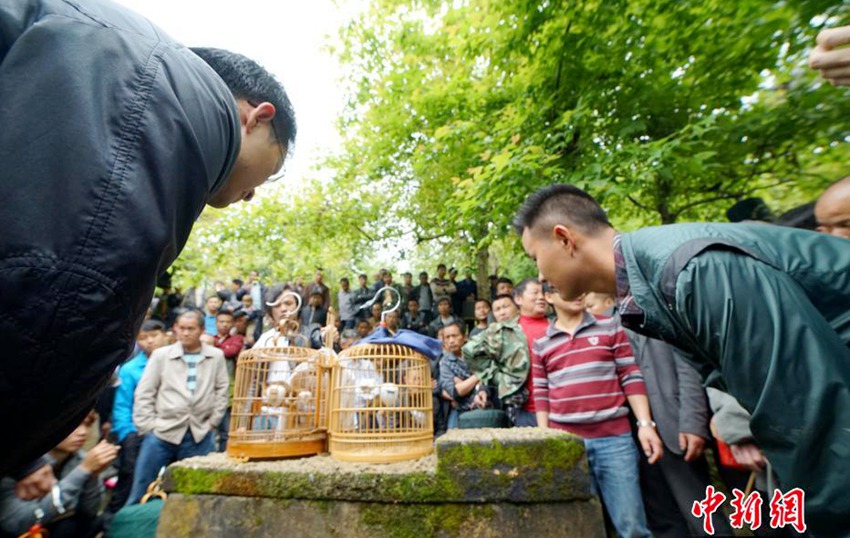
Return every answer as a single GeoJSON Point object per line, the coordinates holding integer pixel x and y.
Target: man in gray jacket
{"type": "Point", "coordinates": [179, 402]}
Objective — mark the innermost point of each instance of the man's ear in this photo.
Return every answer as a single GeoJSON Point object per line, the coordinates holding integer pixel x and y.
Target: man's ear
{"type": "Point", "coordinates": [254, 115]}
{"type": "Point", "coordinates": [564, 236]}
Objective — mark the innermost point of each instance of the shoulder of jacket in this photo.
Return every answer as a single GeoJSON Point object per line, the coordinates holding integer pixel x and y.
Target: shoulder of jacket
{"type": "Point", "coordinates": [165, 352]}
{"type": "Point", "coordinates": [211, 351]}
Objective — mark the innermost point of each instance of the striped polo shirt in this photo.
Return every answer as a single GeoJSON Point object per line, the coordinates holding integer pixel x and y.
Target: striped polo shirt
{"type": "Point", "coordinates": [582, 380]}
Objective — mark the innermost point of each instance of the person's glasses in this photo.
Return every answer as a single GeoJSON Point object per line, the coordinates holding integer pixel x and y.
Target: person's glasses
{"type": "Point", "coordinates": [282, 170]}
{"type": "Point", "coordinates": [279, 174]}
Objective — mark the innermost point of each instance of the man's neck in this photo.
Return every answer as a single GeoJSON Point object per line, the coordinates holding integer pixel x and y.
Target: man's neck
{"type": "Point", "coordinates": [605, 279]}
{"type": "Point", "coordinates": [192, 349]}
{"type": "Point", "coordinates": [532, 315]}
{"type": "Point", "coordinates": [569, 321]}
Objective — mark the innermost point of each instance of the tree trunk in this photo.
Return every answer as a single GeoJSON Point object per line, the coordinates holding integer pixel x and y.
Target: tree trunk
{"type": "Point", "coordinates": [482, 256]}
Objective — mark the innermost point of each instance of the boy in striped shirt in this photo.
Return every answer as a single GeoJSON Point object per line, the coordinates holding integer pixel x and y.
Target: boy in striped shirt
{"type": "Point", "coordinates": [584, 372]}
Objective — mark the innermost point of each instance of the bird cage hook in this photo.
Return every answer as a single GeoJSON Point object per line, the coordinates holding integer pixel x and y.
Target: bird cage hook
{"type": "Point", "coordinates": [384, 312]}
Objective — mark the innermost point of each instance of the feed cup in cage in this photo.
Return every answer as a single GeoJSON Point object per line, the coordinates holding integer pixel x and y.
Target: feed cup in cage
{"type": "Point", "coordinates": [279, 404]}
{"type": "Point", "coordinates": [380, 405]}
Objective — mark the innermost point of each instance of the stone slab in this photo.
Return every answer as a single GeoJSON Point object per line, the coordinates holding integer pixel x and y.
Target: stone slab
{"type": "Point", "coordinates": [216, 516]}
{"type": "Point", "coordinates": [519, 465]}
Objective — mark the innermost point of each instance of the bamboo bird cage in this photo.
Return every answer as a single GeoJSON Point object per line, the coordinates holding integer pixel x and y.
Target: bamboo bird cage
{"type": "Point", "coordinates": [380, 405]}
{"type": "Point", "coordinates": [280, 400]}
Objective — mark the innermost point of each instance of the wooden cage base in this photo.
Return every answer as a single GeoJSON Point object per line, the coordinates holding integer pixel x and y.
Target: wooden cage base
{"type": "Point", "coordinates": [377, 455]}
{"type": "Point", "coordinates": [265, 450]}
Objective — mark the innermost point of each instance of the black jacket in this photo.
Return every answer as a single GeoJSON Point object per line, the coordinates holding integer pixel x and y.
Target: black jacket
{"type": "Point", "coordinates": [113, 137]}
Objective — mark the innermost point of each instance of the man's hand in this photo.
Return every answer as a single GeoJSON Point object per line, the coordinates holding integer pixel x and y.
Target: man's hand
{"type": "Point", "coordinates": [36, 484]}
{"type": "Point", "coordinates": [98, 458]}
{"type": "Point", "coordinates": [692, 445]}
{"type": "Point", "coordinates": [650, 443]}
{"type": "Point", "coordinates": [832, 61]}
{"type": "Point", "coordinates": [749, 455]}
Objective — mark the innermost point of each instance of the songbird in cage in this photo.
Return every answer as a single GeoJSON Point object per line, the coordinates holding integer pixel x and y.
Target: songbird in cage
{"type": "Point", "coordinates": [276, 393]}
{"type": "Point", "coordinates": [363, 385]}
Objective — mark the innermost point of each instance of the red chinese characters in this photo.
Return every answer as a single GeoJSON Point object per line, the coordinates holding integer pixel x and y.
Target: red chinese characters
{"type": "Point", "coordinates": [788, 509]}
{"type": "Point", "coordinates": [747, 510]}
{"type": "Point", "coordinates": [705, 508]}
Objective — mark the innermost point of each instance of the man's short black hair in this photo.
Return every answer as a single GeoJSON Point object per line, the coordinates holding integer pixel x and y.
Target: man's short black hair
{"type": "Point", "coordinates": [482, 300]}
{"type": "Point", "coordinates": [248, 80]}
{"type": "Point", "coordinates": [238, 281]}
{"type": "Point", "coordinates": [445, 300]}
{"type": "Point", "coordinates": [363, 275]}
{"type": "Point", "coordinates": [150, 325]}
{"type": "Point", "coordinates": [413, 300]}
{"type": "Point", "coordinates": [504, 280]}
{"type": "Point", "coordinates": [441, 266]}
{"type": "Point", "coordinates": [503, 296]}
{"type": "Point", "coordinates": [457, 324]}
{"type": "Point", "coordinates": [224, 313]}
{"type": "Point", "coordinates": [343, 279]}
{"type": "Point", "coordinates": [561, 204]}
{"type": "Point", "coordinates": [423, 273]}
{"type": "Point", "coordinates": [520, 288]}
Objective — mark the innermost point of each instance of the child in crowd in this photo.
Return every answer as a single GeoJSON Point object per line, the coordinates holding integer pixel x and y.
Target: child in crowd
{"type": "Point", "coordinates": [444, 316]}
{"type": "Point", "coordinates": [584, 373]}
{"type": "Point", "coordinates": [413, 318]}
{"type": "Point", "coordinates": [600, 304]}
{"type": "Point", "coordinates": [391, 319]}
{"type": "Point", "coordinates": [70, 509]}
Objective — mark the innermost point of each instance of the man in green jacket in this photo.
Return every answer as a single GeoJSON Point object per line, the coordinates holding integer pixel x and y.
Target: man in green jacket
{"type": "Point", "coordinates": [763, 311]}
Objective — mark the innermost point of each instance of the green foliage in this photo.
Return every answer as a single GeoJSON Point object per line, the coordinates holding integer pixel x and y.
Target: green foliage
{"type": "Point", "coordinates": [665, 111]}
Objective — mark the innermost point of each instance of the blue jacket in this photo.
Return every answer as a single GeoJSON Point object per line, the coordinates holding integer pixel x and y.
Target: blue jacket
{"type": "Point", "coordinates": [113, 137]}
{"type": "Point", "coordinates": [122, 408]}
{"type": "Point", "coordinates": [765, 312]}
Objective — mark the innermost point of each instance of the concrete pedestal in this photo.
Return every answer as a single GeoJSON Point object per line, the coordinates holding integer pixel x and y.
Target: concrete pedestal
{"type": "Point", "coordinates": [519, 482]}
